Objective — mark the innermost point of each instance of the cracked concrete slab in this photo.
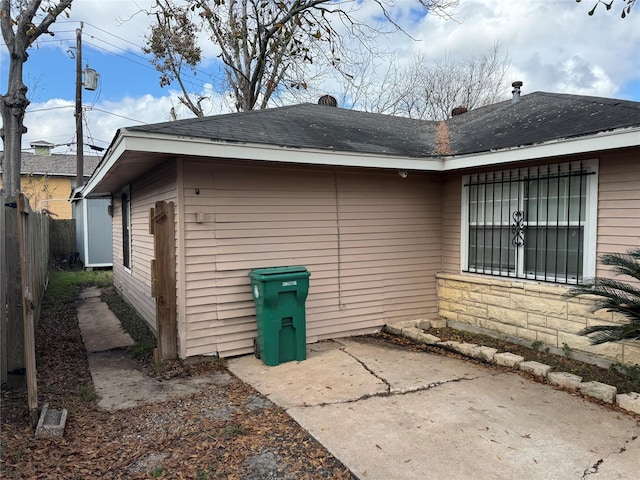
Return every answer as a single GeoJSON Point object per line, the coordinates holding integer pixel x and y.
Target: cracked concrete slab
{"type": "Point", "coordinates": [101, 330]}
{"type": "Point", "coordinates": [328, 375]}
{"type": "Point", "coordinates": [120, 384]}
{"type": "Point", "coordinates": [618, 464]}
{"type": "Point", "coordinates": [389, 413]}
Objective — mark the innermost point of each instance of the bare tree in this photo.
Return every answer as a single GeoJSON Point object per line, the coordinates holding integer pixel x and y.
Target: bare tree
{"type": "Point", "coordinates": [264, 45]}
{"type": "Point", "coordinates": [20, 29]}
{"type": "Point", "coordinates": [431, 90]}
{"type": "Point", "coordinates": [626, 8]}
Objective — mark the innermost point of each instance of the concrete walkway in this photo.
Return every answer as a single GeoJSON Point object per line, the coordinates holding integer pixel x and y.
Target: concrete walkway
{"type": "Point", "coordinates": [117, 377]}
{"type": "Point", "coordinates": [388, 413]}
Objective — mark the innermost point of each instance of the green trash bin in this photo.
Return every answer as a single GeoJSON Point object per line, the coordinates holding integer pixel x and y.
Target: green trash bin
{"type": "Point", "coordinates": [279, 294]}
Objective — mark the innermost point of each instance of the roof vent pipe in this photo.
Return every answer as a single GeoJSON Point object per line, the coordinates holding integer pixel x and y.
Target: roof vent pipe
{"type": "Point", "coordinates": [516, 91]}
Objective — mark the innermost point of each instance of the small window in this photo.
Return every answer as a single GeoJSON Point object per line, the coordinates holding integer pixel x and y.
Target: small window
{"type": "Point", "coordinates": [126, 227]}
{"type": "Point", "coordinates": [536, 223]}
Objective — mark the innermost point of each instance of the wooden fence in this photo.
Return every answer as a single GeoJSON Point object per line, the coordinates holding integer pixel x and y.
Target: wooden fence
{"type": "Point", "coordinates": [24, 255]}
{"type": "Point", "coordinates": [62, 241]}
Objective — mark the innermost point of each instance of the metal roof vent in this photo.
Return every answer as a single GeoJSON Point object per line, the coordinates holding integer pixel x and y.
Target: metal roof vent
{"type": "Point", "coordinates": [459, 111]}
{"type": "Point", "coordinates": [328, 100]}
{"type": "Point", "coordinates": [516, 91]}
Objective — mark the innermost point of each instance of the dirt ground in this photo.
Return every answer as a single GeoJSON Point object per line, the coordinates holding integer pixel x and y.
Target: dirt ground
{"type": "Point", "coordinates": [231, 432]}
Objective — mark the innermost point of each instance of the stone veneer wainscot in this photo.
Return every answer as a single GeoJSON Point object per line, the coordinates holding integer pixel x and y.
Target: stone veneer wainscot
{"type": "Point", "coordinates": [529, 311]}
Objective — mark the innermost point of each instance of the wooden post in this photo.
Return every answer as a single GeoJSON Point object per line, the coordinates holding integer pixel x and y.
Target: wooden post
{"type": "Point", "coordinates": [164, 279]}
{"type": "Point", "coordinates": [3, 291]}
{"type": "Point", "coordinates": [27, 307]}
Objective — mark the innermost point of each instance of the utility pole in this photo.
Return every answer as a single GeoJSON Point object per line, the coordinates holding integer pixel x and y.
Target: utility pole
{"type": "Point", "coordinates": [79, 134]}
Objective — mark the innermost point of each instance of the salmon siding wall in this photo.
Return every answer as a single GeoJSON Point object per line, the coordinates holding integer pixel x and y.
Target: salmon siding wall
{"type": "Point", "coordinates": [371, 240]}
{"type": "Point", "coordinates": [618, 206]}
{"type": "Point", "coordinates": [135, 284]}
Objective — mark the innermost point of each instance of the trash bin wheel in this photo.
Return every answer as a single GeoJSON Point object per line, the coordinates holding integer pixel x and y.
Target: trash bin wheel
{"type": "Point", "coordinates": [256, 348]}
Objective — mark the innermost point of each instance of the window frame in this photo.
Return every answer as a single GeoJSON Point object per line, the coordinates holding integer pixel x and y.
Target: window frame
{"type": "Point", "coordinates": [589, 245]}
{"type": "Point", "coordinates": [125, 197]}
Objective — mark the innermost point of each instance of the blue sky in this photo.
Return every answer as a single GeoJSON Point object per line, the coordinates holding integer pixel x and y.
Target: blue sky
{"type": "Point", "coordinates": [553, 45]}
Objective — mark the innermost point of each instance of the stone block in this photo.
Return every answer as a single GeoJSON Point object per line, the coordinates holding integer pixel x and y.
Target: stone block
{"type": "Point", "coordinates": [601, 391]}
{"type": "Point", "coordinates": [501, 327]}
{"type": "Point", "coordinates": [536, 368]}
{"type": "Point", "coordinates": [541, 306]}
{"type": "Point", "coordinates": [414, 333]}
{"type": "Point", "coordinates": [393, 329]}
{"type": "Point", "coordinates": [428, 339]}
{"type": "Point", "coordinates": [526, 334]}
{"type": "Point", "coordinates": [51, 422]}
{"type": "Point", "coordinates": [497, 300]}
{"type": "Point", "coordinates": [438, 323]}
{"type": "Point", "coordinates": [564, 380]}
{"type": "Point", "coordinates": [465, 348]}
{"type": "Point", "coordinates": [535, 319]}
{"type": "Point", "coordinates": [629, 401]}
{"type": "Point", "coordinates": [507, 315]}
{"type": "Point", "coordinates": [508, 359]}
{"type": "Point", "coordinates": [425, 325]}
{"type": "Point", "coordinates": [449, 344]}
{"type": "Point", "coordinates": [450, 294]}
{"type": "Point", "coordinates": [487, 353]}
{"type": "Point", "coordinates": [631, 353]}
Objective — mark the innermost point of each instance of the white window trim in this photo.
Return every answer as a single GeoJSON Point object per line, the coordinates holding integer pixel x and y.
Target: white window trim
{"type": "Point", "coordinates": [127, 190]}
{"type": "Point", "coordinates": [590, 232]}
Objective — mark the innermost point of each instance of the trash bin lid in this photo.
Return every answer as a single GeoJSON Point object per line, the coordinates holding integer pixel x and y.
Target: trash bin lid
{"type": "Point", "coordinates": [262, 273]}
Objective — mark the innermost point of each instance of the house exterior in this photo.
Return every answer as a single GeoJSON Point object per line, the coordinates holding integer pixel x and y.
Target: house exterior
{"type": "Point", "coordinates": [48, 179]}
{"type": "Point", "coordinates": [484, 220]}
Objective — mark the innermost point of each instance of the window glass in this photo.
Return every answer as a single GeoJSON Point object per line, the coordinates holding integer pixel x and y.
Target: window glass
{"type": "Point", "coordinates": [530, 223]}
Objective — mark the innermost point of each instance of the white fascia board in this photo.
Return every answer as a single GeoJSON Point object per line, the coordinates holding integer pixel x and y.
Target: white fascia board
{"type": "Point", "coordinates": [180, 145]}
{"type": "Point", "coordinates": [110, 158]}
{"type": "Point", "coordinates": [556, 148]}
{"type": "Point", "coordinates": [273, 153]}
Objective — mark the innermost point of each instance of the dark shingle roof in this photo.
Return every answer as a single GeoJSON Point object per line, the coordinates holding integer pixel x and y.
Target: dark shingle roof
{"type": "Point", "coordinates": [537, 118]}
{"type": "Point", "coordinates": [310, 126]}
{"type": "Point", "coordinates": [56, 165]}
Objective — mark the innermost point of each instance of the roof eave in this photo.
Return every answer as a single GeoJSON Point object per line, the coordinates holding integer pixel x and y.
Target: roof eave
{"type": "Point", "coordinates": [601, 141]}
{"type": "Point", "coordinates": [201, 147]}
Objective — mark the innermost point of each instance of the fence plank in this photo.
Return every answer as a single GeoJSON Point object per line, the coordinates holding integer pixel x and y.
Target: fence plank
{"type": "Point", "coordinates": [27, 267]}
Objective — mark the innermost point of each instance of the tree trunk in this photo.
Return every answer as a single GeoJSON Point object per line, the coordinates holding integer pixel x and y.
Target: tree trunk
{"type": "Point", "coordinates": [12, 107]}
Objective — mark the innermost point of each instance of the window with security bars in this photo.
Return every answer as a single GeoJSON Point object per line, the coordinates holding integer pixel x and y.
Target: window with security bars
{"type": "Point", "coordinates": [536, 223]}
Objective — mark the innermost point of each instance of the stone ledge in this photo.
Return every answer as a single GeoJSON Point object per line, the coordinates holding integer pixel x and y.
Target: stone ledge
{"type": "Point", "coordinates": [564, 380]}
{"type": "Point", "coordinates": [629, 401]}
{"type": "Point", "coordinates": [601, 391]}
{"type": "Point", "coordinates": [508, 359]}
{"type": "Point", "coordinates": [538, 369]}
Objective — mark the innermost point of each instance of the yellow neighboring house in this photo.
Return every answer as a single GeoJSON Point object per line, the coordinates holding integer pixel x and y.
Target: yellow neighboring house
{"type": "Point", "coordinates": [48, 179]}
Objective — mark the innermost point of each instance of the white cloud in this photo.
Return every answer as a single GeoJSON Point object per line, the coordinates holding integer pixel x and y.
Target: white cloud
{"type": "Point", "coordinates": [553, 45]}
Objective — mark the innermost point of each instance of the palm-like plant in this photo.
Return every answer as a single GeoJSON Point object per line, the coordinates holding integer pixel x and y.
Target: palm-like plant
{"type": "Point", "coordinates": [615, 296]}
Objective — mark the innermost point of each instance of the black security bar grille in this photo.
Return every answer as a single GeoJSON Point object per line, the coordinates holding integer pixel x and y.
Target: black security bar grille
{"type": "Point", "coordinates": [528, 223]}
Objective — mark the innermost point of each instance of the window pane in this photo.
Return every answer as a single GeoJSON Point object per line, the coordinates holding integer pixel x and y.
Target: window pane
{"type": "Point", "coordinates": [554, 254]}
{"type": "Point", "coordinates": [491, 251]}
